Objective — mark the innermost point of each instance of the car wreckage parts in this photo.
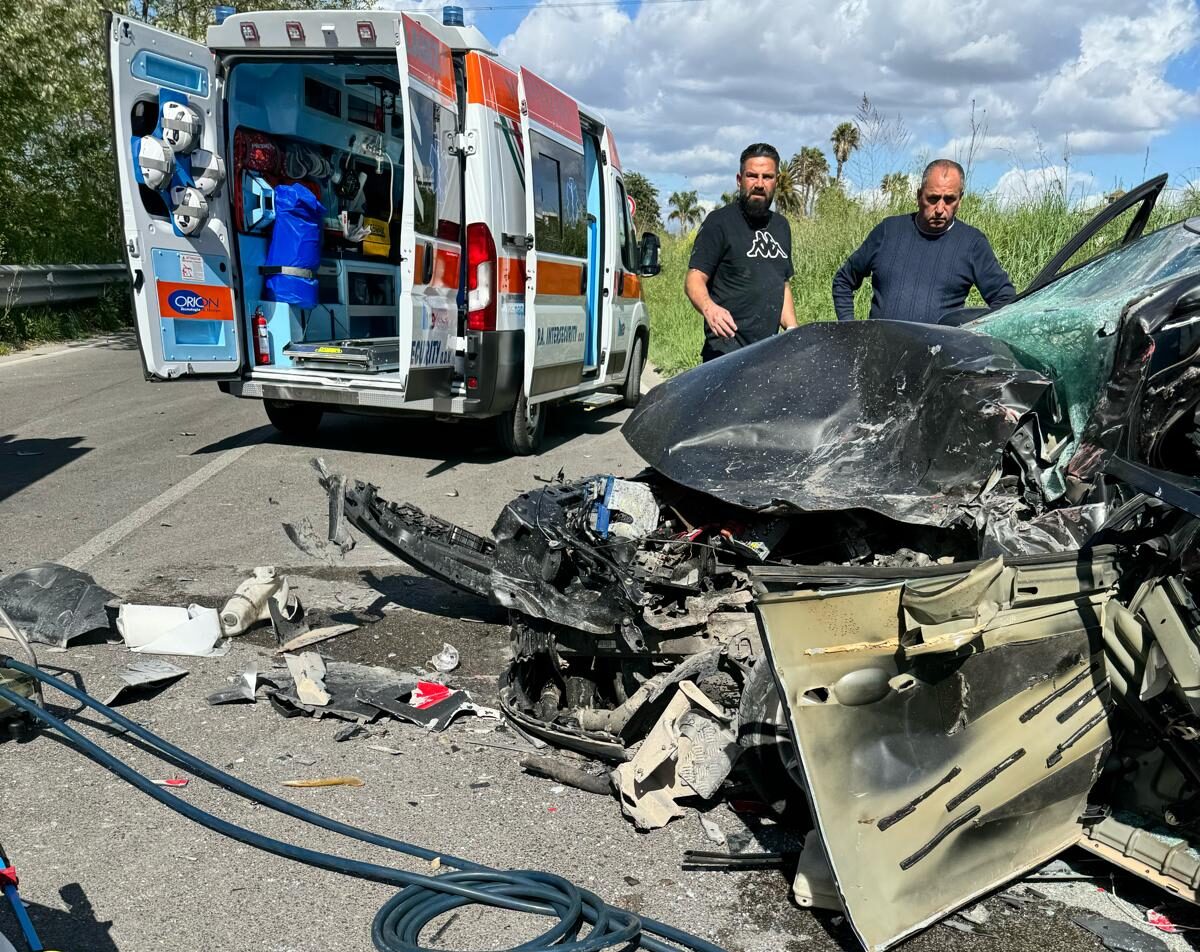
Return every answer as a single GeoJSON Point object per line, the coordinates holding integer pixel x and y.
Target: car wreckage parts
{"type": "Point", "coordinates": [422, 899]}
{"type": "Point", "coordinates": [896, 479]}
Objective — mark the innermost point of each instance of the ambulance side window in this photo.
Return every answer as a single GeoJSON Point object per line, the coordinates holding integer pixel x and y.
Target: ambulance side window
{"type": "Point", "coordinates": [559, 202]}
{"type": "Point", "coordinates": [427, 161]}
{"type": "Point", "coordinates": [547, 209]}
{"type": "Point", "coordinates": [626, 234]}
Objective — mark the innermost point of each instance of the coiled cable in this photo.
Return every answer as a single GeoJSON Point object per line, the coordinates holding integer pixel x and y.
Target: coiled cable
{"type": "Point", "coordinates": [399, 923]}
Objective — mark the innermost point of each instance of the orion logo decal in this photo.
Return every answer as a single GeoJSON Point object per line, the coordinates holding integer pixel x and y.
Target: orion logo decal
{"type": "Point", "coordinates": [189, 302]}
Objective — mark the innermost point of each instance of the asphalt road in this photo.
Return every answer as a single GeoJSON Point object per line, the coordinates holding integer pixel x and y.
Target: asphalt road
{"type": "Point", "coordinates": [171, 494]}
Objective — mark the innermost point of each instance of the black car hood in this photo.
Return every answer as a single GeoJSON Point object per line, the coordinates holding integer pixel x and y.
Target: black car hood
{"type": "Point", "coordinates": [908, 420]}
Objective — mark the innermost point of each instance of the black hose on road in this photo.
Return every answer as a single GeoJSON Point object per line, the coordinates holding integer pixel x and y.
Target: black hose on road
{"type": "Point", "coordinates": [398, 925]}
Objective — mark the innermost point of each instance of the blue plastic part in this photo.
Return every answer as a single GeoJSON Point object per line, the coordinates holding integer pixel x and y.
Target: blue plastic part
{"type": "Point", "coordinates": [295, 243]}
{"type": "Point", "coordinates": [453, 16]}
{"type": "Point", "coordinates": [604, 509]}
{"type": "Point", "coordinates": [258, 203]}
{"type": "Point", "coordinates": [174, 74]}
{"type": "Point", "coordinates": [223, 12]}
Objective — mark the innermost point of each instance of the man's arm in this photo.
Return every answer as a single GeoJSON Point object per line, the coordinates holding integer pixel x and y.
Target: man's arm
{"type": "Point", "coordinates": [787, 319]}
{"type": "Point", "coordinates": [849, 276]}
{"type": "Point", "coordinates": [719, 320]}
{"type": "Point", "coordinates": [991, 279]}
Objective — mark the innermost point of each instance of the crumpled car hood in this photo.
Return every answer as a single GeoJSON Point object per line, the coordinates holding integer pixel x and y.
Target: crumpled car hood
{"type": "Point", "coordinates": [908, 420]}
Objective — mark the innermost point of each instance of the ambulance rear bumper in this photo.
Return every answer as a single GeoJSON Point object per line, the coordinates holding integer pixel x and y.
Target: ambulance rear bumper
{"type": "Point", "coordinates": [495, 363]}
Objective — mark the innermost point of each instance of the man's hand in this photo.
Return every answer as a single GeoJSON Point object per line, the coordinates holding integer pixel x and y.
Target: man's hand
{"type": "Point", "coordinates": [719, 320]}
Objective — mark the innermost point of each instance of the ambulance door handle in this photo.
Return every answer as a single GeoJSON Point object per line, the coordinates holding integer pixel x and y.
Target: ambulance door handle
{"type": "Point", "coordinates": [583, 280]}
{"type": "Point", "coordinates": [427, 262]}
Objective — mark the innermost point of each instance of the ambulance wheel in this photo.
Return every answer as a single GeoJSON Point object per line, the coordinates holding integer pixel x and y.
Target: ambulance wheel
{"type": "Point", "coordinates": [632, 391]}
{"type": "Point", "coordinates": [294, 420]}
{"type": "Point", "coordinates": [521, 428]}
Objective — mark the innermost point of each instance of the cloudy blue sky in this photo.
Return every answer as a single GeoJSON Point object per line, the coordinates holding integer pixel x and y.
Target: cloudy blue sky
{"type": "Point", "coordinates": [686, 83]}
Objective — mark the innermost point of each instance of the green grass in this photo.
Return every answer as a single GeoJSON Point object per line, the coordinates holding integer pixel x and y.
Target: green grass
{"type": "Point", "coordinates": [23, 327]}
{"type": "Point", "coordinates": [1024, 237]}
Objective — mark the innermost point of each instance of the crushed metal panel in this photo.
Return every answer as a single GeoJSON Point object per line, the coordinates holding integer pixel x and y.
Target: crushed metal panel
{"type": "Point", "coordinates": [937, 777]}
{"type": "Point", "coordinates": [815, 420]}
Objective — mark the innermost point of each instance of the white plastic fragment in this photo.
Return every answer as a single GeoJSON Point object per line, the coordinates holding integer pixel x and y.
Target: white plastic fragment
{"type": "Point", "coordinates": [167, 629]}
{"type": "Point", "coordinates": [446, 660]}
{"type": "Point", "coordinates": [248, 605]}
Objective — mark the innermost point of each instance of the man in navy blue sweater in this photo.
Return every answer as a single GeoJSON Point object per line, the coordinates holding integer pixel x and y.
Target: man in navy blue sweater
{"type": "Point", "coordinates": [922, 266]}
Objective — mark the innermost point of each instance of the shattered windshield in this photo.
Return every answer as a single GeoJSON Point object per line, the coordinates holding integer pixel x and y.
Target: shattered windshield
{"type": "Point", "coordinates": [1068, 328]}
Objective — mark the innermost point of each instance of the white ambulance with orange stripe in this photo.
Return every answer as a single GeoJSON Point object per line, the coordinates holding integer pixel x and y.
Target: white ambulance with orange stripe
{"type": "Point", "coordinates": [370, 212]}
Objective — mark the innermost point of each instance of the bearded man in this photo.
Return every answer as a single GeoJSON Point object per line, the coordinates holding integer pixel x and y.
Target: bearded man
{"type": "Point", "coordinates": [741, 262]}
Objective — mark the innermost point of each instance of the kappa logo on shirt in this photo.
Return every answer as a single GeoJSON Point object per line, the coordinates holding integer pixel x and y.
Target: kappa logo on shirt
{"type": "Point", "coordinates": [765, 246]}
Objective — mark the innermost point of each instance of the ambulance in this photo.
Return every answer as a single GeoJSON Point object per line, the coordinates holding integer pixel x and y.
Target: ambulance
{"type": "Point", "coordinates": [371, 212]}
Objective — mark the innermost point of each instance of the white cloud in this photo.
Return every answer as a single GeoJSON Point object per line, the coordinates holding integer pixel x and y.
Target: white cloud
{"type": "Point", "coordinates": [686, 86]}
{"type": "Point", "coordinates": [1020, 185]}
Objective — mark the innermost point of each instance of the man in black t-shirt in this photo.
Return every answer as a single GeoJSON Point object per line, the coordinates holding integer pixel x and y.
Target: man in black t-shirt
{"type": "Point", "coordinates": [741, 262]}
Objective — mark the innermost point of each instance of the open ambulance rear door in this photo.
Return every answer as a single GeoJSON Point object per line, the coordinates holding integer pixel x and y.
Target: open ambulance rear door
{"type": "Point", "coordinates": [556, 278]}
{"type": "Point", "coordinates": [184, 289]}
{"type": "Point", "coordinates": [431, 225]}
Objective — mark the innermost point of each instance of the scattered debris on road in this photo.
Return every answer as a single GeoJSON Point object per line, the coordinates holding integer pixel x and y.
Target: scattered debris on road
{"type": "Point", "coordinates": [55, 604]}
{"type": "Point", "coordinates": [164, 629]}
{"type": "Point", "coordinates": [327, 782]}
{"type": "Point", "coordinates": [143, 678]}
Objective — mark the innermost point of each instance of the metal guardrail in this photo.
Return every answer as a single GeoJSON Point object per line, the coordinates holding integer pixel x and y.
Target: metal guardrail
{"type": "Point", "coordinates": [41, 284]}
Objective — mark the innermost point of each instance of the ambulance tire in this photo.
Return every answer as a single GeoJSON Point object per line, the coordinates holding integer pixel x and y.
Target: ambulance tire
{"type": "Point", "coordinates": [521, 429]}
{"type": "Point", "coordinates": [632, 391]}
{"type": "Point", "coordinates": [296, 421]}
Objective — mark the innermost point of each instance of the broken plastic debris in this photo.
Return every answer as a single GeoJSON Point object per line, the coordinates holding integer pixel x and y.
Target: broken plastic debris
{"type": "Point", "coordinates": [164, 629]}
{"type": "Point", "coordinates": [173, 782]}
{"type": "Point", "coordinates": [689, 752]}
{"type": "Point", "coordinates": [142, 678]}
{"type": "Point", "coordinates": [349, 686]}
{"type": "Point", "coordinates": [327, 782]}
{"type": "Point", "coordinates": [54, 604]}
{"type": "Point", "coordinates": [1161, 921]}
{"type": "Point", "coordinates": [446, 660]}
{"type": "Point", "coordinates": [429, 705]}
{"type": "Point", "coordinates": [243, 689]}
{"type": "Point", "coordinates": [315, 636]}
{"type": "Point", "coordinates": [711, 830]}
{"type": "Point", "coordinates": [1119, 936]}
{"type": "Point", "coordinates": [248, 605]}
{"type": "Point", "coordinates": [308, 673]}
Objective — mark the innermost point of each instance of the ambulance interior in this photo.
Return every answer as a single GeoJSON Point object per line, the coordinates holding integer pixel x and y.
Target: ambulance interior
{"type": "Point", "coordinates": [335, 131]}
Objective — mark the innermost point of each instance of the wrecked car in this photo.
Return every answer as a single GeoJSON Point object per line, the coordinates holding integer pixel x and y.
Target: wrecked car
{"type": "Point", "coordinates": [936, 583]}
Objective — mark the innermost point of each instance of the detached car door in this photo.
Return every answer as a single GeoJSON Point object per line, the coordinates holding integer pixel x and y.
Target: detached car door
{"type": "Point", "coordinates": [175, 209]}
{"type": "Point", "coordinates": [948, 729]}
{"type": "Point", "coordinates": [556, 212]}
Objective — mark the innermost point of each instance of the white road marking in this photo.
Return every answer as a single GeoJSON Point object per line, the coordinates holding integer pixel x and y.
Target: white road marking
{"type": "Point", "coordinates": [5, 362]}
{"type": "Point", "coordinates": [139, 517]}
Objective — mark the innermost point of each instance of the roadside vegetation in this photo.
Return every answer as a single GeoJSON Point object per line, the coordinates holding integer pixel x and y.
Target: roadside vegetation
{"type": "Point", "coordinates": [57, 173]}
{"type": "Point", "coordinates": [1025, 236]}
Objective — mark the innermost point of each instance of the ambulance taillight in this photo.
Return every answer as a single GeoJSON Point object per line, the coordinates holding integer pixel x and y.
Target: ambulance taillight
{"type": "Point", "coordinates": [262, 341]}
{"type": "Point", "coordinates": [481, 278]}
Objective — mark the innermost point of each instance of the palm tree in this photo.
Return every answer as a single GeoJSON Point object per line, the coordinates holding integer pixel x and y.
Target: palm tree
{"type": "Point", "coordinates": [895, 186]}
{"type": "Point", "coordinates": [811, 172]}
{"type": "Point", "coordinates": [728, 198]}
{"type": "Point", "coordinates": [685, 209]}
{"type": "Point", "coordinates": [845, 140]}
{"type": "Point", "coordinates": [788, 197]}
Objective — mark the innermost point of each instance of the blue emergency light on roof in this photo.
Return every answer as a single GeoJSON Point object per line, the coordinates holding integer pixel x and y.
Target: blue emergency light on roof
{"type": "Point", "coordinates": [223, 13]}
{"type": "Point", "coordinates": [452, 16]}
